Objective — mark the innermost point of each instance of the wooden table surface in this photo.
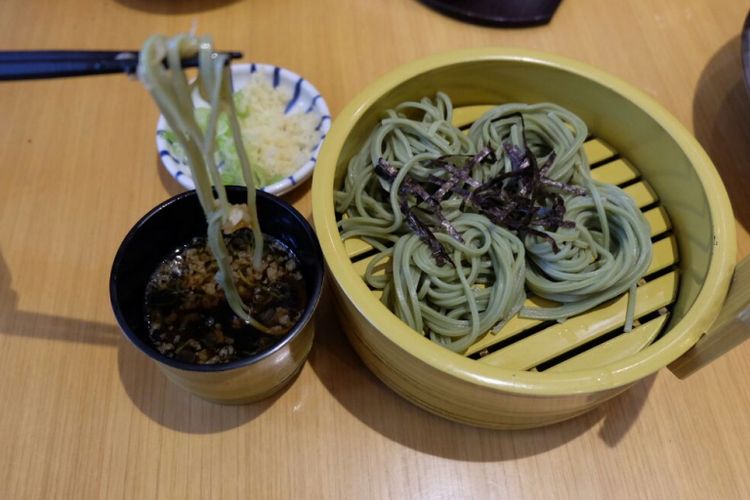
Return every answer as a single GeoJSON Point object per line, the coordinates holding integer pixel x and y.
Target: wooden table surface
{"type": "Point", "coordinates": [85, 415]}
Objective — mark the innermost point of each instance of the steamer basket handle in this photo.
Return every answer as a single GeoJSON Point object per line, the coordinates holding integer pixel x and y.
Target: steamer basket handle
{"type": "Point", "coordinates": [730, 329]}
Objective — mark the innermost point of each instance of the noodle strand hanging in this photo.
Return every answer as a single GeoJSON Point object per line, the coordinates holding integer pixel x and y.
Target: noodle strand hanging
{"type": "Point", "coordinates": [172, 92]}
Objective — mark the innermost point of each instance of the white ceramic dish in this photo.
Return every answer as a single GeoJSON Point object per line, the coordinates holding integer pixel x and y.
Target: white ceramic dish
{"type": "Point", "coordinates": [305, 99]}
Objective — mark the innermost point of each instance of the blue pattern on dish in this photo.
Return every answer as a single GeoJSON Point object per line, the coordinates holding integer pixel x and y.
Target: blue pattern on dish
{"type": "Point", "coordinates": [165, 152]}
{"type": "Point", "coordinates": [322, 138]}
{"type": "Point", "coordinates": [312, 103]}
{"type": "Point", "coordinates": [322, 120]}
{"type": "Point", "coordinates": [295, 96]}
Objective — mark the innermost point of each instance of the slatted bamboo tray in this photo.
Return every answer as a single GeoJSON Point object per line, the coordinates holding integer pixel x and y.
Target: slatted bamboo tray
{"type": "Point", "coordinates": [595, 338]}
{"type": "Point", "coordinates": [533, 373]}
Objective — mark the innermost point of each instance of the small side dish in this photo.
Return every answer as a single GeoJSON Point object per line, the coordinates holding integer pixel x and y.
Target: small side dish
{"type": "Point", "coordinates": [283, 119]}
{"type": "Point", "coordinates": [261, 364]}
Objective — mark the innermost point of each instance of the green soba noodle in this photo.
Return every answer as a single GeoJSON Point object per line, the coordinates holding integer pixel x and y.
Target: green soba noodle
{"type": "Point", "coordinates": [172, 92]}
{"type": "Point", "coordinates": [604, 255]}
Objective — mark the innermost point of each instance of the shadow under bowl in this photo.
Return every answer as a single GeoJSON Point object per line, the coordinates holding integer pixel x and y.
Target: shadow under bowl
{"type": "Point", "coordinates": [173, 224]}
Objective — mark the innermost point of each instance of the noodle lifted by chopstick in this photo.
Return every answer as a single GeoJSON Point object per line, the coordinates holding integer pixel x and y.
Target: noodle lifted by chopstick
{"type": "Point", "coordinates": [173, 94]}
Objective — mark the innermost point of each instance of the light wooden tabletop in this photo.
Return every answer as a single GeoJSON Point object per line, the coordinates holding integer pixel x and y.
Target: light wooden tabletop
{"type": "Point", "coordinates": [84, 415]}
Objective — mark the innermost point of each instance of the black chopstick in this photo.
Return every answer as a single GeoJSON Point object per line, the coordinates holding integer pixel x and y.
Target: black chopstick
{"type": "Point", "coordinates": [35, 64]}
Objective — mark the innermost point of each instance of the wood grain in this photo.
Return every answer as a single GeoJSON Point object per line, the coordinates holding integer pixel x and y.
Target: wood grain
{"type": "Point", "coordinates": [87, 416]}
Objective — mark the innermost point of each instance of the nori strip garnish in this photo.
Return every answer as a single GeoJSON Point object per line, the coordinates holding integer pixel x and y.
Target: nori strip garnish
{"type": "Point", "coordinates": [460, 176]}
{"type": "Point", "coordinates": [410, 187]}
{"type": "Point", "coordinates": [439, 253]}
{"type": "Point", "coordinates": [524, 200]}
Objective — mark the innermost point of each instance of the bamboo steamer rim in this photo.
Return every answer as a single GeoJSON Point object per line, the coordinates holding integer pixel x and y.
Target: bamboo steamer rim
{"type": "Point", "coordinates": [681, 336]}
